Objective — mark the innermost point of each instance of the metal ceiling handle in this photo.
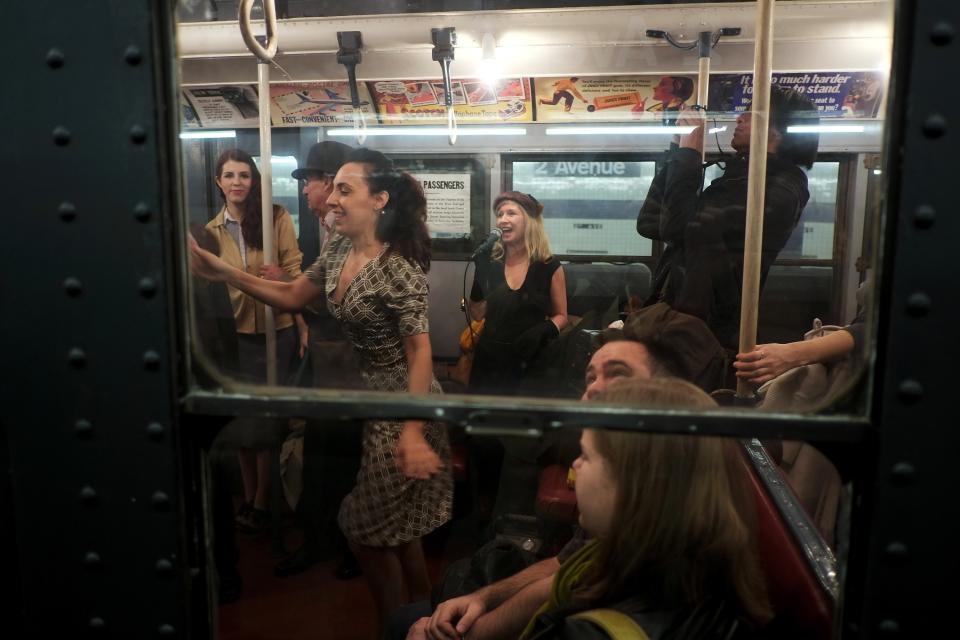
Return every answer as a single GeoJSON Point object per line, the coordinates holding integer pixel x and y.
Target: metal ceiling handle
{"type": "Point", "coordinates": [444, 41]}
{"type": "Point", "coordinates": [350, 55]}
{"type": "Point", "coordinates": [452, 125]}
{"type": "Point", "coordinates": [359, 125]}
{"type": "Point", "coordinates": [270, 17]}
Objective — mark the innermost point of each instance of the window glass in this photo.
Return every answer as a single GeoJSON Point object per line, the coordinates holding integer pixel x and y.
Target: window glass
{"type": "Point", "coordinates": [590, 206]}
{"type": "Point", "coordinates": [812, 239]}
{"type": "Point", "coordinates": [286, 191]}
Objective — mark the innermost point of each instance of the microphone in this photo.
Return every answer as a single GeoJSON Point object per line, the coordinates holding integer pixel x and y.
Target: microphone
{"type": "Point", "coordinates": [487, 244]}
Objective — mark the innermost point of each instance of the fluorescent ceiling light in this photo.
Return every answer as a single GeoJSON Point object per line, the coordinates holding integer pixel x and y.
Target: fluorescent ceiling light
{"type": "Point", "coordinates": [197, 135]}
{"type": "Point", "coordinates": [627, 131]}
{"type": "Point", "coordinates": [469, 130]}
{"type": "Point", "coordinates": [717, 129]}
{"type": "Point", "coordinates": [826, 128]}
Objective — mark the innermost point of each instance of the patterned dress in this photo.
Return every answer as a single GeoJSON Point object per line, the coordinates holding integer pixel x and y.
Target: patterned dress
{"type": "Point", "coordinates": [385, 302]}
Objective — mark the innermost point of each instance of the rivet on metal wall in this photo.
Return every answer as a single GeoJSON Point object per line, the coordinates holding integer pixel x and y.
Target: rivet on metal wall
{"type": "Point", "coordinates": [92, 560]}
{"type": "Point", "coordinates": [141, 211]}
{"type": "Point", "coordinates": [73, 287]}
{"type": "Point", "coordinates": [83, 428]}
{"type": "Point", "coordinates": [918, 304]}
{"type": "Point", "coordinates": [132, 55]}
{"type": "Point", "coordinates": [888, 627]}
{"type": "Point", "coordinates": [896, 552]}
{"type": "Point", "coordinates": [910, 391]}
{"type": "Point", "coordinates": [67, 211]}
{"type": "Point", "coordinates": [166, 630]}
{"type": "Point", "coordinates": [155, 431]}
{"type": "Point", "coordinates": [923, 216]}
{"type": "Point", "coordinates": [55, 58]}
{"type": "Point", "coordinates": [148, 287]}
{"type": "Point", "coordinates": [88, 495]}
{"type": "Point", "coordinates": [902, 473]}
{"type": "Point", "coordinates": [138, 135]}
{"type": "Point", "coordinates": [160, 500]}
{"type": "Point", "coordinates": [164, 567]}
{"type": "Point", "coordinates": [96, 622]}
{"type": "Point", "coordinates": [151, 360]}
{"type": "Point", "coordinates": [61, 136]}
{"type": "Point", "coordinates": [941, 33]}
{"type": "Point", "coordinates": [76, 357]}
{"type": "Point", "coordinates": [934, 126]}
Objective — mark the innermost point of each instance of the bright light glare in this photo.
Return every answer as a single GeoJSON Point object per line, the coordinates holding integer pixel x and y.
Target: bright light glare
{"type": "Point", "coordinates": [717, 129]}
{"type": "Point", "coordinates": [826, 128]}
{"type": "Point", "coordinates": [489, 71]}
{"type": "Point", "coordinates": [431, 131]}
{"type": "Point", "coordinates": [627, 131]}
{"type": "Point", "coordinates": [199, 135]}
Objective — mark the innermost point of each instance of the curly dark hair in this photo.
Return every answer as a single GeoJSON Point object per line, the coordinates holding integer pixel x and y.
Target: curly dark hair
{"type": "Point", "coordinates": [404, 220]}
{"type": "Point", "coordinates": [252, 224]}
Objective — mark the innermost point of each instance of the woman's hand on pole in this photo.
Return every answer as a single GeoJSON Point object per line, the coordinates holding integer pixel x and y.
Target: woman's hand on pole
{"type": "Point", "coordinates": [765, 362]}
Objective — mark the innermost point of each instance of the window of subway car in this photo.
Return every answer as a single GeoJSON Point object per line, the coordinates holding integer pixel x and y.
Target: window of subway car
{"type": "Point", "coordinates": [487, 221]}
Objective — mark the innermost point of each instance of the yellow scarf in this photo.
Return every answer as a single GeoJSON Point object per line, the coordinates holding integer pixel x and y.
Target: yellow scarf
{"type": "Point", "coordinates": [561, 591]}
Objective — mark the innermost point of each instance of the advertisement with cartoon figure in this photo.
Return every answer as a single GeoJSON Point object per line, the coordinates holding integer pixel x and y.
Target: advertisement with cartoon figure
{"type": "Point", "coordinates": [838, 94]}
{"type": "Point", "coordinates": [315, 103]}
{"type": "Point", "coordinates": [474, 101]}
{"type": "Point", "coordinates": [653, 98]}
{"type": "Point", "coordinates": [225, 106]}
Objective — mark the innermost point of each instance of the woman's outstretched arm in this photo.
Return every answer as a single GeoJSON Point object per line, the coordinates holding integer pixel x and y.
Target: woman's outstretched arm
{"type": "Point", "coordinates": [286, 296]}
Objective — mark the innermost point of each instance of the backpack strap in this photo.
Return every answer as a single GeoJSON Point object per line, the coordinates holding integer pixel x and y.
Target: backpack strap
{"type": "Point", "coordinates": [617, 625]}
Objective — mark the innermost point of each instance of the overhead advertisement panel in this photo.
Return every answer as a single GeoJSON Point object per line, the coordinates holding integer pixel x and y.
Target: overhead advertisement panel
{"type": "Point", "coordinates": [844, 94]}
{"type": "Point", "coordinates": [639, 98]}
{"type": "Point", "coordinates": [225, 106]}
{"type": "Point", "coordinates": [315, 103]}
{"type": "Point", "coordinates": [474, 101]}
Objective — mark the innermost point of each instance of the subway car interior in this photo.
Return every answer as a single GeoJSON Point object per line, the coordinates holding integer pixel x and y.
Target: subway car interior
{"type": "Point", "coordinates": [567, 320]}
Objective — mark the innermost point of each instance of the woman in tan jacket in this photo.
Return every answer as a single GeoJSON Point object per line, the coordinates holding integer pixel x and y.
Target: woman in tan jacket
{"type": "Point", "coordinates": [238, 229]}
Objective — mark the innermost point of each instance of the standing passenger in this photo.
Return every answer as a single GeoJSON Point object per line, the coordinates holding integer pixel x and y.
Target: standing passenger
{"type": "Point", "coordinates": [372, 278]}
{"type": "Point", "coordinates": [520, 293]}
{"type": "Point", "coordinates": [238, 229]}
{"type": "Point", "coordinates": [331, 451]}
{"type": "Point", "coordinates": [700, 272]}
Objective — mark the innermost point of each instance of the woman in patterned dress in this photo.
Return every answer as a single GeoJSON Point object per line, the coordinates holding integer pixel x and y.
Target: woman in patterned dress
{"type": "Point", "coordinates": [373, 278]}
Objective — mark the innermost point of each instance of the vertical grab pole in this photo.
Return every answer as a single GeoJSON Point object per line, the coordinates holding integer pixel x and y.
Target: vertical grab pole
{"type": "Point", "coordinates": [265, 58]}
{"type": "Point", "coordinates": [704, 45]}
{"type": "Point", "coordinates": [266, 207]}
{"type": "Point", "coordinates": [757, 181]}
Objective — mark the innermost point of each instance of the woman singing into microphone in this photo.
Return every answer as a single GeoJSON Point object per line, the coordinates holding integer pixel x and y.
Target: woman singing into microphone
{"type": "Point", "coordinates": [520, 292]}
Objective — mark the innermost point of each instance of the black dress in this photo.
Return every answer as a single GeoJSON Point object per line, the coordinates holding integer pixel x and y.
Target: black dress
{"type": "Point", "coordinates": [498, 363]}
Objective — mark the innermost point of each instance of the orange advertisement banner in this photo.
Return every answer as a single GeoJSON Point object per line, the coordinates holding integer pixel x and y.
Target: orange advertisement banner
{"type": "Point", "coordinates": [613, 98]}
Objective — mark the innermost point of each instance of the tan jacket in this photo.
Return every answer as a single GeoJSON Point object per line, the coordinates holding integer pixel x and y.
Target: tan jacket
{"type": "Point", "coordinates": [247, 311]}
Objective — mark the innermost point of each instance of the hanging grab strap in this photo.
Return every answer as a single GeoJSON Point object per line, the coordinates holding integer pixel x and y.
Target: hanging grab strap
{"type": "Point", "coordinates": [270, 17]}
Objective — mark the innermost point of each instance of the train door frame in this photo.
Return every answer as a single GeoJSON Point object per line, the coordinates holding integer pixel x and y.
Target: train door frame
{"type": "Point", "coordinates": [107, 455]}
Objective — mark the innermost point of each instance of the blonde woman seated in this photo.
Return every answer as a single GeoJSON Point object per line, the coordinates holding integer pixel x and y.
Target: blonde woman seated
{"type": "Point", "coordinates": [671, 550]}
